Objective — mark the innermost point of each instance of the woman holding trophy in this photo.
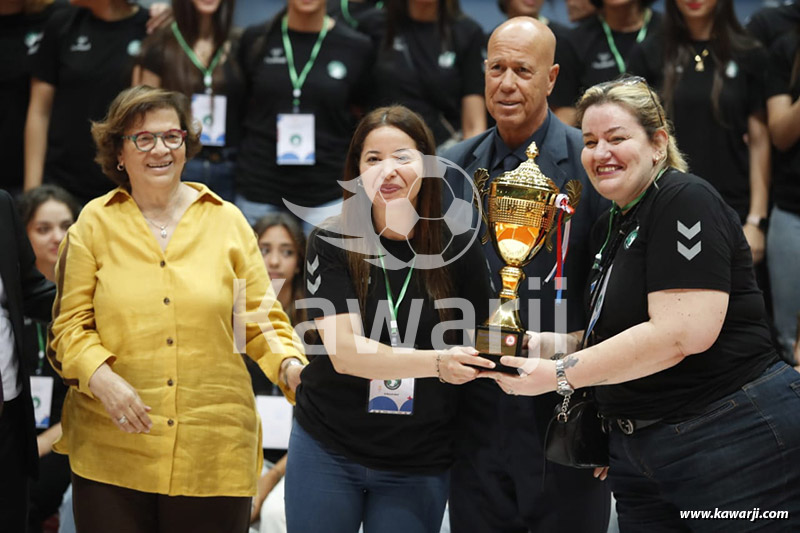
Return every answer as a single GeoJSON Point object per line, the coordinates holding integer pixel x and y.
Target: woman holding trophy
{"type": "Point", "coordinates": [373, 438]}
{"type": "Point", "coordinates": [699, 411]}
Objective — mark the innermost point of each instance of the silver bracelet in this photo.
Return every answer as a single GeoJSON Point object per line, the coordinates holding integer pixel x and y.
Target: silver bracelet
{"type": "Point", "coordinates": [438, 372]}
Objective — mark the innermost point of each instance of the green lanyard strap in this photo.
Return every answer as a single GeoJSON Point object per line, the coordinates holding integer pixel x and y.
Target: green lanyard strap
{"type": "Point", "coordinates": [207, 72]}
{"type": "Point", "coordinates": [393, 308]}
{"type": "Point", "coordinates": [613, 46]}
{"type": "Point", "coordinates": [298, 81]}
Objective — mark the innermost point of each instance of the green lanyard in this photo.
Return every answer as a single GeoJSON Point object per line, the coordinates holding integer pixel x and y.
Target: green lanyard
{"type": "Point", "coordinates": [613, 46]}
{"type": "Point", "coordinates": [41, 349]}
{"type": "Point", "coordinates": [298, 81]}
{"type": "Point", "coordinates": [393, 308]}
{"type": "Point", "coordinates": [207, 72]}
{"type": "Point", "coordinates": [345, 5]}
{"type": "Point", "coordinates": [616, 209]}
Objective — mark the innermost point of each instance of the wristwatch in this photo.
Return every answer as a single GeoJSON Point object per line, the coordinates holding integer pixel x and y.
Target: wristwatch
{"type": "Point", "coordinates": [761, 223]}
{"type": "Point", "coordinates": [563, 387]}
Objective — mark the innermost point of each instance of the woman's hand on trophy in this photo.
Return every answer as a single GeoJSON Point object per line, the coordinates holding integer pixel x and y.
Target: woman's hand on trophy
{"type": "Point", "coordinates": [536, 376]}
{"type": "Point", "coordinates": [457, 365]}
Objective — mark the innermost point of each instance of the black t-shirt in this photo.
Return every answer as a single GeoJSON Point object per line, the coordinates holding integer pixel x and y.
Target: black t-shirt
{"type": "Point", "coordinates": [785, 165]}
{"type": "Point", "coordinates": [425, 73]}
{"type": "Point", "coordinates": [89, 62]}
{"type": "Point", "coordinates": [20, 37]}
{"type": "Point", "coordinates": [682, 236]}
{"type": "Point", "coordinates": [162, 56]}
{"type": "Point", "coordinates": [334, 85]}
{"type": "Point", "coordinates": [586, 58]}
{"type": "Point", "coordinates": [332, 407]}
{"type": "Point", "coordinates": [355, 10]}
{"type": "Point", "coordinates": [715, 150]}
{"type": "Point", "coordinates": [36, 363]}
{"type": "Point", "coordinates": [769, 23]}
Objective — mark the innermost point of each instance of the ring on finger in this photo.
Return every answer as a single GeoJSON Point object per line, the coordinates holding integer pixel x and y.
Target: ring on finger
{"type": "Point", "coordinates": [123, 419]}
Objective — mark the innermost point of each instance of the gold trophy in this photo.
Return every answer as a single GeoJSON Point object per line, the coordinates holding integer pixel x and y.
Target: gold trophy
{"type": "Point", "coordinates": [522, 212]}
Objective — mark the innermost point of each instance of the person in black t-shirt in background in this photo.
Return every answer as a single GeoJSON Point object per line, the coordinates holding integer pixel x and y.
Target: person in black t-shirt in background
{"type": "Point", "coordinates": [350, 11]}
{"type": "Point", "coordinates": [769, 23]}
{"type": "Point", "coordinates": [783, 237]}
{"type": "Point", "coordinates": [46, 213]}
{"type": "Point", "coordinates": [194, 56]}
{"type": "Point", "coordinates": [578, 10]}
{"type": "Point", "coordinates": [373, 437]}
{"type": "Point", "coordinates": [21, 28]}
{"type": "Point", "coordinates": [597, 50]}
{"type": "Point", "coordinates": [700, 412]}
{"type": "Point", "coordinates": [305, 78]}
{"type": "Point", "coordinates": [526, 8]}
{"type": "Point", "coordinates": [711, 76]}
{"type": "Point", "coordinates": [283, 247]}
{"type": "Point", "coordinates": [83, 62]}
{"type": "Point", "coordinates": [430, 58]}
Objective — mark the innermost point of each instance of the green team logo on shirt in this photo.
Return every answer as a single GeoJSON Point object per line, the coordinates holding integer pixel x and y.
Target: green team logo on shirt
{"type": "Point", "coordinates": [393, 384]}
{"type": "Point", "coordinates": [134, 47]}
{"type": "Point", "coordinates": [337, 70]}
{"type": "Point", "coordinates": [447, 59]}
{"type": "Point", "coordinates": [296, 139]}
{"type": "Point", "coordinates": [631, 237]}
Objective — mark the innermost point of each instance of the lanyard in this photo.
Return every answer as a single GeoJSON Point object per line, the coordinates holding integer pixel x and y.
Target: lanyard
{"type": "Point", "coordinates": [345, 8]}
{"type": "Point", "coordinates": [393, 308]}
{"type": "Point", "coordinates": [207, 72]}
{"type": "Point", "coordinates": [613, 46]}
{"type": "Point", "coordinates": [598, 287]}
{"type": "Point", "coordinates": [298, 81]}
{"type": "Point", "coordinates": [41, 349]}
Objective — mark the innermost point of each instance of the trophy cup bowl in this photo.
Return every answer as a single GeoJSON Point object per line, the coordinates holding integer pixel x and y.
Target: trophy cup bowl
{"type": "Point", "coordinates": [520, 214]}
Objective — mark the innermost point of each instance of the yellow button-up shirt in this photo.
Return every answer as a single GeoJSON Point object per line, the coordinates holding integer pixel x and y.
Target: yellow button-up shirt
{"type": "Point", "coordinates": [166, 321]}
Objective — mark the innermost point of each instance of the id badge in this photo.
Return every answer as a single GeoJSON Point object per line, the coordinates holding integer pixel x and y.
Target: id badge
{"type": "Point", "coordinates": [42, 393]}
{"type": "Point", "coordinates": [296, 143]}
{"type": "Point", "coordinates": [211, 111]}
{"type": "Point", "coordinates": [391, 396]}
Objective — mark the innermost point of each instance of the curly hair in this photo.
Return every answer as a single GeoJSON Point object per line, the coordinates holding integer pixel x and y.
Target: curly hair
{"type": "Point", "coordinates": [129, 108]}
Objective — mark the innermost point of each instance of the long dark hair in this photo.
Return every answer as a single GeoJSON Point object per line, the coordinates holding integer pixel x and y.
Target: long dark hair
{"type": "Point", "coordinates": [180, 74]}
{"type": "Point", "coordinates": [428, 235]}
{"type": "Point", "coordinates": [398, 18]}
{"type": "Point", "coordinates": [727, 38]}
{"type": "Point", "coordinates": [289, 223]}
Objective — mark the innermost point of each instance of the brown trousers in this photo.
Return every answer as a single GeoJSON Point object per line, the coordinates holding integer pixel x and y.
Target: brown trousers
{"type": "Point", "coordinates": [101, 508]}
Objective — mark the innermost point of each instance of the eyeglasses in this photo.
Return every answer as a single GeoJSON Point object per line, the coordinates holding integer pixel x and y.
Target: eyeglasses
{"type": "Point", "coordinates": [630, 81]}
{"type": "Point", "coordinates": [146, 140]}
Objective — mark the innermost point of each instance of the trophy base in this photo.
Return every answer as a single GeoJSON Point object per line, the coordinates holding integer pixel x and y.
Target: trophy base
{"type": "Point", "coordinates": [511, 342]}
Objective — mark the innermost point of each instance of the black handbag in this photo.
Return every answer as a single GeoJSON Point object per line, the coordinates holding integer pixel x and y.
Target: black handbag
{"type": "Point", "coordinates": [575, 436]}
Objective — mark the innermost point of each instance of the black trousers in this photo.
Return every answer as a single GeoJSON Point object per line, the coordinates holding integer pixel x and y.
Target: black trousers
{"type": "Point", "coordinates": [102, 508]}
{"type": "Point", "coordinates": [13, 474]}
{"type": "Point", "coordinates": [500, 482]}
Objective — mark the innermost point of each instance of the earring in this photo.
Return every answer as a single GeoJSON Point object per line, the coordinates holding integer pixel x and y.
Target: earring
{"type": "Point", "coordinates": [120, 167]}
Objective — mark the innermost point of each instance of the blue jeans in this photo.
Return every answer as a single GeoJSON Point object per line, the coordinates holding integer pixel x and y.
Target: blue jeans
{"type": "Point", "coordinates": [327, 492]}
{"type": "Point", "coordinates": [783, 250]}
{"type": "Point", "coordinates": [740, 454]}
{"type": "Point", "coordinates": [312, 218]}
{"type": "Point", "coordinates": [218, 176]}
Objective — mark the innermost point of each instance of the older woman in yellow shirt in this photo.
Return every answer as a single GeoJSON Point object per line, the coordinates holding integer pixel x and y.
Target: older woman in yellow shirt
{"type": "Point", "coordinates": [160, 285]}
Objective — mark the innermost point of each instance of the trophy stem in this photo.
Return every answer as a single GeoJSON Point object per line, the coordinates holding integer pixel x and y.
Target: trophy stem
{"type": "Point", "coordinates": [511, 278]}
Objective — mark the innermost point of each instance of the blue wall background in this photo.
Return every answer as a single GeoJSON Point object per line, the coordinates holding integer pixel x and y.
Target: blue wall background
{"type": "Point", "coordinates": [249, 12]}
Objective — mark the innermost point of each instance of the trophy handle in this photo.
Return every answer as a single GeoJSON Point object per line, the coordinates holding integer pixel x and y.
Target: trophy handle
{"type": "Point", "coordinates": [481, 177]}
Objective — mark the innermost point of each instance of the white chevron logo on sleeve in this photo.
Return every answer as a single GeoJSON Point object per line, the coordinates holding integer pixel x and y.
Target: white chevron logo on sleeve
{"type": "Point", "coordinates": [689, 253]}
{"type": "Point", "coordinates": [312, 287]}
{"type": "Point", "coordinates": [312, 267]}
{"type": "Point", "coordinates": [689, 233]}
